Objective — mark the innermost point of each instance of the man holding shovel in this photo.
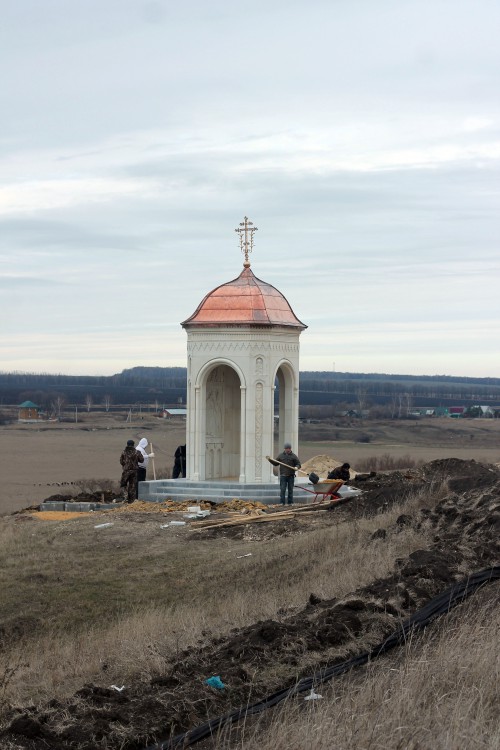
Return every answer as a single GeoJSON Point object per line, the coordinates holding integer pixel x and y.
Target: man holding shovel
{"type": "Point", "coordinates": [288, 463]}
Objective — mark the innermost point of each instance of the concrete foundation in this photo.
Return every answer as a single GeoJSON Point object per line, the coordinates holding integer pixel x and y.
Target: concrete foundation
{"type": "Point", "coordinates": [213, 491]}
{"type": "Point", "coordinates": [76, 507]}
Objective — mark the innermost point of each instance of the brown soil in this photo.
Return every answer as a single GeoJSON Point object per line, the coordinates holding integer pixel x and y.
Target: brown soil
{"type": "Point", "coordinates": [49, 457]}
{"type": "Point", "coordinates": [465, 527]}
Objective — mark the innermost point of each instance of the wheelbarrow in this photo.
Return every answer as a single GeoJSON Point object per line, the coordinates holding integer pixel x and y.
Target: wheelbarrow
{"type": "Point", "coordinates": [324, 489]}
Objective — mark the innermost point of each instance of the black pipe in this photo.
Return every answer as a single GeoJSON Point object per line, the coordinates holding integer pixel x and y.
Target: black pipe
{"type": "Point", "coordinates": [438, 606]}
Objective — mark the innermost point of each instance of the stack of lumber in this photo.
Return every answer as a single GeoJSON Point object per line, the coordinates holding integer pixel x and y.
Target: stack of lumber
{"type": "Point", "coordinates": [259, 516]}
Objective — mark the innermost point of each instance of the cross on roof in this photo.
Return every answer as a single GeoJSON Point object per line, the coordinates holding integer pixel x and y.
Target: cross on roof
{"type": "Point", "coordinates": [245, 231]}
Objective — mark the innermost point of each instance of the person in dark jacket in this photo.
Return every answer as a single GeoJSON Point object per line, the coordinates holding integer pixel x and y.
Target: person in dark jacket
{"type": "Point", "coordinates": [341, 472]}
{"type": "Point", "coordinates": [179, 462]}
{"type": "Point", "coordinates": [129, 460]}
{"type": "Point", "coordinates": [287, 473]}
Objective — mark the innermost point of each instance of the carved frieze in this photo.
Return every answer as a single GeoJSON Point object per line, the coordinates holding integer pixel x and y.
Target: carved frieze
{"type": "Point", "coordinates": [219, 347]}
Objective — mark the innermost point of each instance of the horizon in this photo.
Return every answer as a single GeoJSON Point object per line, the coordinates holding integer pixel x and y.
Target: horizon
{"type": "Point", "coordinates": [301, 370]}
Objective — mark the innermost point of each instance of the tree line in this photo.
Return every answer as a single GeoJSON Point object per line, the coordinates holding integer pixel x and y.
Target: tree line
{"type": "Point", "coordinates": [166, 386]}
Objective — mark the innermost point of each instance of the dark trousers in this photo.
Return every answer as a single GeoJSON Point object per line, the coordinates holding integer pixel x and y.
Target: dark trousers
{"type": "Point", "coordinates": [129, 484]}
{"type": "Point", "coordinates": [179, 469]}
{"type": "Point", "coordinates": [141, 477]}
{"type": "Point", "coordinates": [286, 486]}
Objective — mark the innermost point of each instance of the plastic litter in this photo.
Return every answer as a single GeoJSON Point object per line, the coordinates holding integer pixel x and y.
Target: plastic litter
{"type": "Point", "coordinates": [103, 525]}
{"type": "Point", "coordinates": [347, 491]}
{"type": "Point", "coordinates": [215, 682]}
{"type": "Point", "coordinates": [313, 696]}
{"type": "Point", "coordinates": [119, 689]}
{"type": "Point", "coordinates": [194, 509]}
{"type": "Point", "coordinates": [177, 523]}
{"type": "Point", "coordinates": [249, 554]}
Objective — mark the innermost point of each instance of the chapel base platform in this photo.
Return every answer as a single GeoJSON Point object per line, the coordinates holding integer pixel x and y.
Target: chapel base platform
{"type": "Point", "coordinates": [215, 491]}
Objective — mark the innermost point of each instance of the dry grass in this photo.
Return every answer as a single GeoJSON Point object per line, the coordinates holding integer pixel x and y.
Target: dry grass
{"type": "Point", "coordinates": [388, 462]}
{"type": "Point", "coordinates": [127, 599]}
{"type": "Point", "coordinates": [441, 691]}
{"type": "Point", "coordinates": [118, 605]}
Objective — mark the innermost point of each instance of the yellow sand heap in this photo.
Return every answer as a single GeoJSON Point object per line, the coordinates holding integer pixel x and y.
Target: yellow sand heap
{"type": "Point", "coordinates": [58, 515]}
{"type": "Point", "coordinates": [322, 464]}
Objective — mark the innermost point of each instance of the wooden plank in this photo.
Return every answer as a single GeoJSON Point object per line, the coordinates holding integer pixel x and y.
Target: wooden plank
{"type": "Point", "coordinates": [246, 519]}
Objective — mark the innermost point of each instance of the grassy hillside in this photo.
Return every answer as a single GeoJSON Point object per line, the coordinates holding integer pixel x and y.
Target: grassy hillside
{"type": "Point", "coordinates": [159, 610]}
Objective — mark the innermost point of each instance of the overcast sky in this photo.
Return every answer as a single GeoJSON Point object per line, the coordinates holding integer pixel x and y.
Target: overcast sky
{"type": "Point", "coordinates": [362, 138]}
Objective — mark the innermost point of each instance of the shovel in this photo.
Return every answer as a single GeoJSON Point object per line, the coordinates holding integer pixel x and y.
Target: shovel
{"type": "Point", "coordinates": [313, 478]}
{"type": "Point", "coordinates": [153, 462]}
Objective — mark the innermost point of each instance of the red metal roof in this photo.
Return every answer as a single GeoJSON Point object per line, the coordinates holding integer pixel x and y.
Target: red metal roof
{"type": "Point", "coordinates": [246, 300]}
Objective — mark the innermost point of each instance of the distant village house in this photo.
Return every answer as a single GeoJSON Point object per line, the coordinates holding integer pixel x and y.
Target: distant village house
{"type": "Point", "coordinates": [174, 413]}
{"type": "Point", "coordinates": [28, 412]}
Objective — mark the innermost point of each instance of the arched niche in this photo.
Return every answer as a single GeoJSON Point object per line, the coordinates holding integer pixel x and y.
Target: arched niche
{"type": "Point", "coordinates": [286, 385]}
{"type": "Point", "coordinates": [220, 419]}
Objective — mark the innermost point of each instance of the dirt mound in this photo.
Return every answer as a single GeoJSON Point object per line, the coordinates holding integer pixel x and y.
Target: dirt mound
{"type": "Point", "coordinates": [106, 496]}
{"type": "Point", "coordinates": [256, 660]}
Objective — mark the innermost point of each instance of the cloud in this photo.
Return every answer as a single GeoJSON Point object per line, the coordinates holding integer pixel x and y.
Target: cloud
{"type": "Point", "coordinates": [363, 139]}
{"type": "Point", "coordinates": [46, 195]}
{"type": "Point", "coordinates": [16, 284]}
{"type": "Point", "coordinates": [474, 124]}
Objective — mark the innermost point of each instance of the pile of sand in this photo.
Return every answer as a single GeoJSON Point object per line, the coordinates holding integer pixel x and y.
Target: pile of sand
{"type": "Point", "coordinates": [321, 465]}
{"type": "Point", "coordinates": [58, 515]}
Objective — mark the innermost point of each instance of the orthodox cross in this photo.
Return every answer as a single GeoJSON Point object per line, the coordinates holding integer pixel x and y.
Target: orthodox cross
{"type": "Point", "coordinates": [246, 238]}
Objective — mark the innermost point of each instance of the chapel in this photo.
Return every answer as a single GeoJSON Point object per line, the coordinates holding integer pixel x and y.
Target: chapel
{"type": "Point", "coordinates": [242, 362]}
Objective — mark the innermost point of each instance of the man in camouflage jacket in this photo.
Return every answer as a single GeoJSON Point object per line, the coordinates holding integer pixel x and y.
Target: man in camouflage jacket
{"type": "Point", "coordinates": [129, 460]}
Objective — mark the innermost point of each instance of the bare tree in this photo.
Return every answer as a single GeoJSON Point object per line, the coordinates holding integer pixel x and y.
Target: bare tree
{"type": "Point", "coordinates": [394, 405]}
{"type": "Point", "coordinates": [401, 400]}
{"type": "Point", "coordinates": [107, 401]}
{"type": "Point", "coordinates": [409, 403]}
{"type": "Point", "coordinates": [361, 395]}
{"type": "Point", "coordinates": [88, 401]}
{"type": "Point", "coordinates": [57, 405]}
